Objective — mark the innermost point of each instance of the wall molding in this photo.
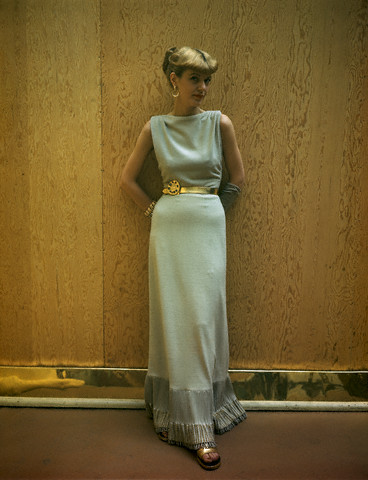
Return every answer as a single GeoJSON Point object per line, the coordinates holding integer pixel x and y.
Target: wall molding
{"type": "Point", "coordinates": [124, 388]}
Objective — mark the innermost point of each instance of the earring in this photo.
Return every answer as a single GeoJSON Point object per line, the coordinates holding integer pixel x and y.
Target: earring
{"type": "Point", "coordinates": [175, 92]}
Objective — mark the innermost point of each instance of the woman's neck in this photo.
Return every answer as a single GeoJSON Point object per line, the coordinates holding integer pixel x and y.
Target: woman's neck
{"type": "Point", "coordinates": [182, 111]}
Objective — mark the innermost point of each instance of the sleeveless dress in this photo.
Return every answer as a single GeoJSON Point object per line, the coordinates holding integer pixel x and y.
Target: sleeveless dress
{"type": "Point", "coordinates": [187, 389]}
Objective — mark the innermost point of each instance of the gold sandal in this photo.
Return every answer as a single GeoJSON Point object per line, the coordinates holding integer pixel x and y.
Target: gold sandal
{"type": "Point", "coordinates": [208, 465]}
{"type": "Point", "coordinates": [163, 436]}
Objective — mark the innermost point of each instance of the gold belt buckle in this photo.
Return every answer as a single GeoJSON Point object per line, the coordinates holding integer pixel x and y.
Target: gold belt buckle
{"type": "Point", "coordinates": [173, 188]}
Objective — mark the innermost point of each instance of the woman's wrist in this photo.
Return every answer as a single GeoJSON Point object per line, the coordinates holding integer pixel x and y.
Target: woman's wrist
{"type": "Point", "coordinates": [149, 210]}
{"type": "Point", "coordinates": [229, 194]}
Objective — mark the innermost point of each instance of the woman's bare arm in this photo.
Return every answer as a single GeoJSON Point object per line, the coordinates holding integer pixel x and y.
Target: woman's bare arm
{"type": "Point", "coordinates": [133, 167]}
{"type": "Point", "coordinates": [232, 156]}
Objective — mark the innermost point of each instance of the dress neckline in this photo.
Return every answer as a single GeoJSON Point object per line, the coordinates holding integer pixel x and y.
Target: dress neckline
{"type": "Point", "coordinates": [186, 116]}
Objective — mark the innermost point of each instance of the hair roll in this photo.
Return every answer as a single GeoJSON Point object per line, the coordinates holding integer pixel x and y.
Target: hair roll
{"type": "Point", "coordinates": [178, 60]}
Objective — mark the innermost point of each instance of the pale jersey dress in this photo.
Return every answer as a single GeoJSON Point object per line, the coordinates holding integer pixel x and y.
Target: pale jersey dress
{"type": "Point", "coordinates": [187, 390]}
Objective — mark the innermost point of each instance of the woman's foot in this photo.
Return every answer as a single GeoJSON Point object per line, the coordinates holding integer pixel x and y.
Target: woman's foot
{"type": "Point", "coordinates": [208, 458]}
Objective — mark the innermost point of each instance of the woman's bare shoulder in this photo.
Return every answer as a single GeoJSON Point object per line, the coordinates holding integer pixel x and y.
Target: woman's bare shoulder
{"type": "Point", "coordinates": [147, 127]}
{"type": "Point", "coordinates": [225, 121]}
{"type": "Point", "coordinates": [145, 136]}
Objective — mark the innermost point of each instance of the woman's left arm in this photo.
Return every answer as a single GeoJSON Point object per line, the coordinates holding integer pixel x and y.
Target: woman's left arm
{"type": "Point", "coordinates": [232, 156]}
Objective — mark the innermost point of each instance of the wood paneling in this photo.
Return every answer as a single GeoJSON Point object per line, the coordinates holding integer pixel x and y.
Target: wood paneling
{"type": "Point", "coordinates": [293, 78]}
{"type": "Point", "coordinates": [303, 295]}
{"type": "Point", "coordinates": [54, 109]}
{"type": "Point", "coordinates": [303, 298]}
{"type": "Point", "coordinates": [15, 253]}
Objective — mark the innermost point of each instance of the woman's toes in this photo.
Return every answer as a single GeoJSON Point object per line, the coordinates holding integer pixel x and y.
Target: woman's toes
{"type": "Point", "coordinates": [210, 457]}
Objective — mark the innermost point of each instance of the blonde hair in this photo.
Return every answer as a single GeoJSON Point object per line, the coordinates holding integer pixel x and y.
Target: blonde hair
{"type": "Point", "coordinates": [178, 60]}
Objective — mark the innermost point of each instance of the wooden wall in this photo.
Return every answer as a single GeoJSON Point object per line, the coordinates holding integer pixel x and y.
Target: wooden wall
{"type": "Point", "coordinates": [51, 214]}
{"type": "Point", "coordinates": [80, 79]}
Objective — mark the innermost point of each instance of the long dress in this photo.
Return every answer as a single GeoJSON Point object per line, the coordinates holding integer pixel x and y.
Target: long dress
{"type": "Point", "coordinates": [187, 390]}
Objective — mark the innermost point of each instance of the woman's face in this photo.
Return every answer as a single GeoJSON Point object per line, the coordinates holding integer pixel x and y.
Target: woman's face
{"type": "Point", "coordinates": [193, 87]}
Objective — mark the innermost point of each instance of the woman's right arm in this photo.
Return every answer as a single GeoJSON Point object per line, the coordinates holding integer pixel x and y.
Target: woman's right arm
{"type": "Point", "coordinates": [133, 167]}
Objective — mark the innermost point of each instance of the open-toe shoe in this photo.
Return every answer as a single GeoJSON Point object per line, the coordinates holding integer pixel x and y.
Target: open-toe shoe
{"type": "Point", "coordinates": [208, 465]}
{"type": "Point", "coordinates": [163, 436]}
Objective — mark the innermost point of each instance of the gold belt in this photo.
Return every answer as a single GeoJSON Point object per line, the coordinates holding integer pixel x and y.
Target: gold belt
{"type": "Point", "coordinates": [174, 188]}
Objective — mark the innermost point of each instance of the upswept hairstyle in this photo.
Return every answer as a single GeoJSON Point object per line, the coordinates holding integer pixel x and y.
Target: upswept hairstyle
{"type": "Point", "coordinates": [178, 60]}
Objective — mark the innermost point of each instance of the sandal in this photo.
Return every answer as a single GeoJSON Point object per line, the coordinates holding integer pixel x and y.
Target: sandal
{"type": "Point", "coordinates": [163, 436]}
{"type": "Point", "coordinates": [208, 465]}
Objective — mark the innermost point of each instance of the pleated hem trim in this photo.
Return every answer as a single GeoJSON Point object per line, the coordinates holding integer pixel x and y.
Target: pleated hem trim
{"type": "Point", "coordinates": [200, 435]}
{"type": "Point", "coordinates": [228, 417]}
{"type": "Point", "coordinates": [179, 433]}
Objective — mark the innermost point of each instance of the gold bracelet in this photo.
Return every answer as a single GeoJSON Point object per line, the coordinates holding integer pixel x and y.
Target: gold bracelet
{"type": "Point", "coordinates": [149, 211]}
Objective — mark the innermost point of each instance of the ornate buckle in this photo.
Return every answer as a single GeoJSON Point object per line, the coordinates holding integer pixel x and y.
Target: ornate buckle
{"type": "Point", "coordinates": [173, 188]}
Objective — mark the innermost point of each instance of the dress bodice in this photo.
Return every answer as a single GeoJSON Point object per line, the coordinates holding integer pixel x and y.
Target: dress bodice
{"type": "Point", "coordinates": [189, 148]}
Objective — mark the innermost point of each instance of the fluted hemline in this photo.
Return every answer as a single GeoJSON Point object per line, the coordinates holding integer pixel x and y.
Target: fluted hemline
{"type": "Point", "coordinates": [179, 433]}
{"type": "Point", "coordinates": [192, 418]}
{"type": "Point", "coordinates": [228, 417]}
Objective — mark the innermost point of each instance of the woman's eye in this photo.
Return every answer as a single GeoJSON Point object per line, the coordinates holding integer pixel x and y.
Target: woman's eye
{"type": "Point", "coordinates": [207, 80]}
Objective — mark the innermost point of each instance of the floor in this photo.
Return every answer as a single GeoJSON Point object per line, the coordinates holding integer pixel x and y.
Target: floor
{"type": "Point", "coordinates": [120, 444]}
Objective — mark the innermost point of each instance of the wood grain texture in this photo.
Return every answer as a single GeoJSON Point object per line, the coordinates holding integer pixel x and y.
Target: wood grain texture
{"type": "Point", "coordinates": [63, 285]}
{"type": "Point", "coordinates": [295, 185]}
{"type": "Point", "coordinates": [15, 264]}
{"type": "Point", "coordinates": [64, 118]}
{"type": "Point", "coordinates": [291, 78]}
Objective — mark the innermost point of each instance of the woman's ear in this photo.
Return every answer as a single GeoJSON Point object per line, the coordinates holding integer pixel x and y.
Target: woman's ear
{"type": "Point", "coordinates": [173, 79]}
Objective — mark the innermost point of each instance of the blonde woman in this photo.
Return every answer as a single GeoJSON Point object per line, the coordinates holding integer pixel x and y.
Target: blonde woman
{"type": "Point", "coordinates": [188, 391]}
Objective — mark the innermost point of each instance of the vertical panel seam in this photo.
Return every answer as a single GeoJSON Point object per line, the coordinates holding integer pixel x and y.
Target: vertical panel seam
{"type": "Point", "coordinates": [102, 189]}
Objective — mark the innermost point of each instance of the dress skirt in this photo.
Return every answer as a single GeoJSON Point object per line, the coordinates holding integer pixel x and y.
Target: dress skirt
{"type": "Point", "coordinates": [188, 391]}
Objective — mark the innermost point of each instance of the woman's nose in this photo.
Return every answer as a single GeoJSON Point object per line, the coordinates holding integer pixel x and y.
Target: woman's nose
{"type": "Point", "coordinates": [202, 86]}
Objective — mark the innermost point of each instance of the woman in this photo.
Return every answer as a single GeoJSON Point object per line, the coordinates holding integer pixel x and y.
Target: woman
{"type": "Point", "coordinates": [187, 391]}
